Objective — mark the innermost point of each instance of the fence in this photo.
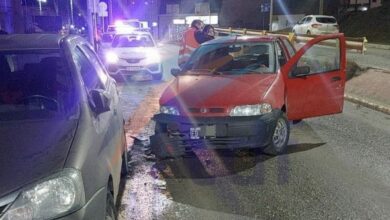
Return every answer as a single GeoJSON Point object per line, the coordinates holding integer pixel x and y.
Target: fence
{"type": "Point", "coordinates": [353, 43]}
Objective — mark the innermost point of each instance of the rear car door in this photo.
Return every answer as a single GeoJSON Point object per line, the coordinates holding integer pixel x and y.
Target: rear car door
{"type": "Point", "coordinates": [315, 78]}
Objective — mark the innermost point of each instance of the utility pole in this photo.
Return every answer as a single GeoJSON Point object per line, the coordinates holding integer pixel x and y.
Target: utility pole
{"type": "Point", "coordinates": [321, 10]}
{"type": "Point", "coordinates": [271, 13]}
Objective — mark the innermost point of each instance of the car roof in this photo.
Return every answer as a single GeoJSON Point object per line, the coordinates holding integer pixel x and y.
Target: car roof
{"type": "Point", "coordinates": [242, 39]}
{"type": "Point", "coordinates": [325, 16]}
{"type": "Point", "coordinates": [30, 41]}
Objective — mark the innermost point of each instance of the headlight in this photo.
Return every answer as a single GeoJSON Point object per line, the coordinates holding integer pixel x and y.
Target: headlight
{"type": "Point", "coordinates": [169, 110]}
{"type": "Point", "coordinates": [251, 110]}
{"type": "Point", "coordinates": [111, 57]}
{"type": "Point", "coordinates": [53, 198]}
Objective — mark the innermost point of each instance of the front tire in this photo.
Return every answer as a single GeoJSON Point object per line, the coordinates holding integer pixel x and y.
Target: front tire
{"type": "Point", "coordinates": [280, 136]}
{"type": "Point", "coordinates": [110, 207]}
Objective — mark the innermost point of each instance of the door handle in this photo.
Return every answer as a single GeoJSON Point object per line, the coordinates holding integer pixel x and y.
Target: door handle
{"type": "Point", "coordinates": [335, 79]}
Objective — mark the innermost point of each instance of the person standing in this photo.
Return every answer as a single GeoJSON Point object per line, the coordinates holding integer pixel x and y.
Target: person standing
{"type": "Point", "coordinates": [189, 42]}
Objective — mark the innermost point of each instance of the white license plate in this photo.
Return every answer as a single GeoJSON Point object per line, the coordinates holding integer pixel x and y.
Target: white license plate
{"type": "Point", "coordinates": [194, 133]}
{"type": "Point", "coordinates": [133, 68]}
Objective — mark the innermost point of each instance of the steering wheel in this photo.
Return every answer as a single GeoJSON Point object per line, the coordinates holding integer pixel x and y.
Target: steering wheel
{"type": "Point", "coordinates": [52, 103]}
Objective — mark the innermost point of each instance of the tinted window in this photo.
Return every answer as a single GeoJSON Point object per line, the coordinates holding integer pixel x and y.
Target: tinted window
{"type": "Point", "coordinates": [87, 70]}
{"type": "Point", "coordinates": [97, 64]}
{"type": "Point", "coordinates": [237, 58]}
{"type": "Point", "coordinates": [326, 20]}
{"type": "Point", "coordinates": [32, 82]}
{"type": "Point", "coordinates": [135, 40]}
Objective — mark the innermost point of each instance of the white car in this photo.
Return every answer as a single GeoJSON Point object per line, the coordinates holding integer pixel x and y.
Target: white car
{"type": "Point", "coordinates": [316, 25]}
{"type": "Point", "coordinates": [134, 55]}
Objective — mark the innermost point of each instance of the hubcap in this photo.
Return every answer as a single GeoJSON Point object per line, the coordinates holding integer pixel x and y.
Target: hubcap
{"type": "Point", "coordinates": [280, 134]}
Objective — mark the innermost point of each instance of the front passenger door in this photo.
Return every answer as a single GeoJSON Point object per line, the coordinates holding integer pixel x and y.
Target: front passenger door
{"type": "Point", "coordinates": [315, 78]}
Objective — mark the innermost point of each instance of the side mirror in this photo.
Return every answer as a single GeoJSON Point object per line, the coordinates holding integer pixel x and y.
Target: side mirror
{"type": "Point", "coordinates": [175, 72]}
{"type": "Point", "coordinates": [99, 101]}
{"type": "Point", "coordinates": [301, 71]}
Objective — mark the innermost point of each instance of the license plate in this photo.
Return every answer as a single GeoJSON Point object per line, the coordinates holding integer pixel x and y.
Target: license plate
{"type": "Point", "coordinates": [133, 68]}
{"type": "Point", "coordinates": [194, 133]}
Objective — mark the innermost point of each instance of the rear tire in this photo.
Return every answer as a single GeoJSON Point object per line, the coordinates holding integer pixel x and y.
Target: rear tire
{"type": "Point", "coordinates": [280, 136]}
{"type": "Point", "coordinates": [110, 206]}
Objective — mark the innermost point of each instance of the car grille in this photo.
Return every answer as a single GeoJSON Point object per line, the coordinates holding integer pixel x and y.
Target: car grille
{"type": "Point", "coordinates": [134, 60]}
{"type": "Point", "coordinates": [206, 110]}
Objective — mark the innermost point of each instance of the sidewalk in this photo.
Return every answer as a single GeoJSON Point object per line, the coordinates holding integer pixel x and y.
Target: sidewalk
{"type": "Point", "coordinates": [371, 89]}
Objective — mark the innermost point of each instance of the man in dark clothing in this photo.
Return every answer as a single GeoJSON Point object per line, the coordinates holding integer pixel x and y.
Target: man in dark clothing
{"type": "Point", "coordinates": [207, 34]}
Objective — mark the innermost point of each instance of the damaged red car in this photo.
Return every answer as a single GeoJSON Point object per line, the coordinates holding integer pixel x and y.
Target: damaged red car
{"type": "Point", "coordinates": [241, 92]}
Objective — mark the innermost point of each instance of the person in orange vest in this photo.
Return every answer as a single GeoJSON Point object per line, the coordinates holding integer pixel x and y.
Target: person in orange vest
{"type": "Point", "coordinates": [189, 42]}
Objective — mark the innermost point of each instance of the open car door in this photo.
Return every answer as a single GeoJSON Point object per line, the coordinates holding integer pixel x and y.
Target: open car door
{"type": "Point", "coordinates": [315, 78]}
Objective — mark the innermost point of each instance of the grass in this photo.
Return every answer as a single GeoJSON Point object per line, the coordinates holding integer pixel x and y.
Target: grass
{"type": "Point", "coordinates": [373, 24]}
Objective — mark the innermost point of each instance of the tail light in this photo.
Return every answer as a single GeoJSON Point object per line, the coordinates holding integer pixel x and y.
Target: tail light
{"type": "Point", "coordinates": [316, 25]}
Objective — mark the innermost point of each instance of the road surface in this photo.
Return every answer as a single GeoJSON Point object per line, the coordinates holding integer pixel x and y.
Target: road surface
{"type": "Point", "coordinates": [337, 167]}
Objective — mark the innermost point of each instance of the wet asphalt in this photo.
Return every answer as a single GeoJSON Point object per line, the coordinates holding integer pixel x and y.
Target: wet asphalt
{"type": "Point", "coordinates": [337, 167]}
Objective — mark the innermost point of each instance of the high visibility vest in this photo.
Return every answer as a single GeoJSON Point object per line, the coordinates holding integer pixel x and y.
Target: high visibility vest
{"type": "Point", "coordinates": [188, 46]}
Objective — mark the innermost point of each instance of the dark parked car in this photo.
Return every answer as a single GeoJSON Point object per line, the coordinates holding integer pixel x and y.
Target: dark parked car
{"type": "Point", "coordinates": [62, 143]}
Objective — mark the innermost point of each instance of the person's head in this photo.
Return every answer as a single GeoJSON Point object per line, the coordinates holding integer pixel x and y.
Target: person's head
{"type": "Point", "coordinates": [209, 30]}
{"type": "Point", "coordinates": [197, 24]}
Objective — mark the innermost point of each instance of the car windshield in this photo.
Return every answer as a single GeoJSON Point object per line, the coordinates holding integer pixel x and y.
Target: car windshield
{"type": "Point", "coordinates": [237, 58]}
{"type": "Point", "coordinates": [34, 84]}
{"type": "Point", "coordinates": [133, 40]}
{"type": "Point", "coordinates": [326, 20]}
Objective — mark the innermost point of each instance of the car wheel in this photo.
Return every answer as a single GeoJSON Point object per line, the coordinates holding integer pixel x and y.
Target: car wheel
{"type": "Point", "coordinates": [110, 207]}
{"type": "Point", "coordinates": [125, 161]}
{"type": "Point", "coordinates": [157, 76]}
{"type": "Point", "coordinates": [308, 32]}
{"type": "Point", "coordinates": [125, 164]}
{"type": "Point", "coordinates": [280, 136]}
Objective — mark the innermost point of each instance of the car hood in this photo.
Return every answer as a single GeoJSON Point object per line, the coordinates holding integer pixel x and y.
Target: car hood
{"type": "Point", "coordinates": [31, 150]}
{"type": "Point", "coordinates": [217, 90]}
{"type": "Point", "coordinates": [137, 52]}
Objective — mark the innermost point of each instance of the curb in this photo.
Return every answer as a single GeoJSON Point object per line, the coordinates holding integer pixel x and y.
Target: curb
{"type": "Point", "coordinates": [378, 46]}
{"type": "Point", "coordinates": [367, 104]}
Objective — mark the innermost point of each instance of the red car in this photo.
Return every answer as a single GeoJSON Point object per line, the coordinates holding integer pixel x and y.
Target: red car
{"type": "Point", "coordinates": [241, 92]}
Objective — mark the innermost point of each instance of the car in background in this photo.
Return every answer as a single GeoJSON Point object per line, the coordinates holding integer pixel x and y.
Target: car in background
{"type": "Point", "coordinates": [316, 25]}
{"type": "Point", "coordinates": [63, 147]}
{"type": "Point", "coordinates": [134, 55]}
{"type": "Point", "coordinates": [241, 93]}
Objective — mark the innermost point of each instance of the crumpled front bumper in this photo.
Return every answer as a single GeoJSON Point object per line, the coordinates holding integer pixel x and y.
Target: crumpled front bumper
{"type": "Point", "coordinates": [181, 134]}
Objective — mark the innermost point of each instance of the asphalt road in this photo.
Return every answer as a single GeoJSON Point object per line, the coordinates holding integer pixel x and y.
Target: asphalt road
{"type": "Point", "coordinates": [337, 167]}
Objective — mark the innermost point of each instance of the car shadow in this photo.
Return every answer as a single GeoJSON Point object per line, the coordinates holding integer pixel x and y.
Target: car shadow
{"type": "Point", "coordinates": [218, 163]}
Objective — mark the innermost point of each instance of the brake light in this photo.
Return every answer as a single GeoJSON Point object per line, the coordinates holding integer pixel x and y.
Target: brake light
{"type": "Point", "coordinates": [316, 25]}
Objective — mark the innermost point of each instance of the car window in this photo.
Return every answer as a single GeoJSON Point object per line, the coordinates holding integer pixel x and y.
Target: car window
{"type": "Point", "coordinates": [322, 57]}
{"type": "Point", "coordinates": [302, 21]}
{"type": "Point", "coordinates": [326, 20]}
{"type": "Point", "coordinates": [88, 71]}
{"type": "Point", "coordinates": [308, 20]}
{"type": "Point", "coordinates": [281, 55]}
{"type": "Point", "coordinates": [99, 67]}
{"type": "Point", "coordinates": [133, 40]}
{"type": "Point", "coordinates": [289, 47]}
{"type": "Point", "coordinates": [239, 58]}
{"type": "Point", "coordinates": [32, 82]}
